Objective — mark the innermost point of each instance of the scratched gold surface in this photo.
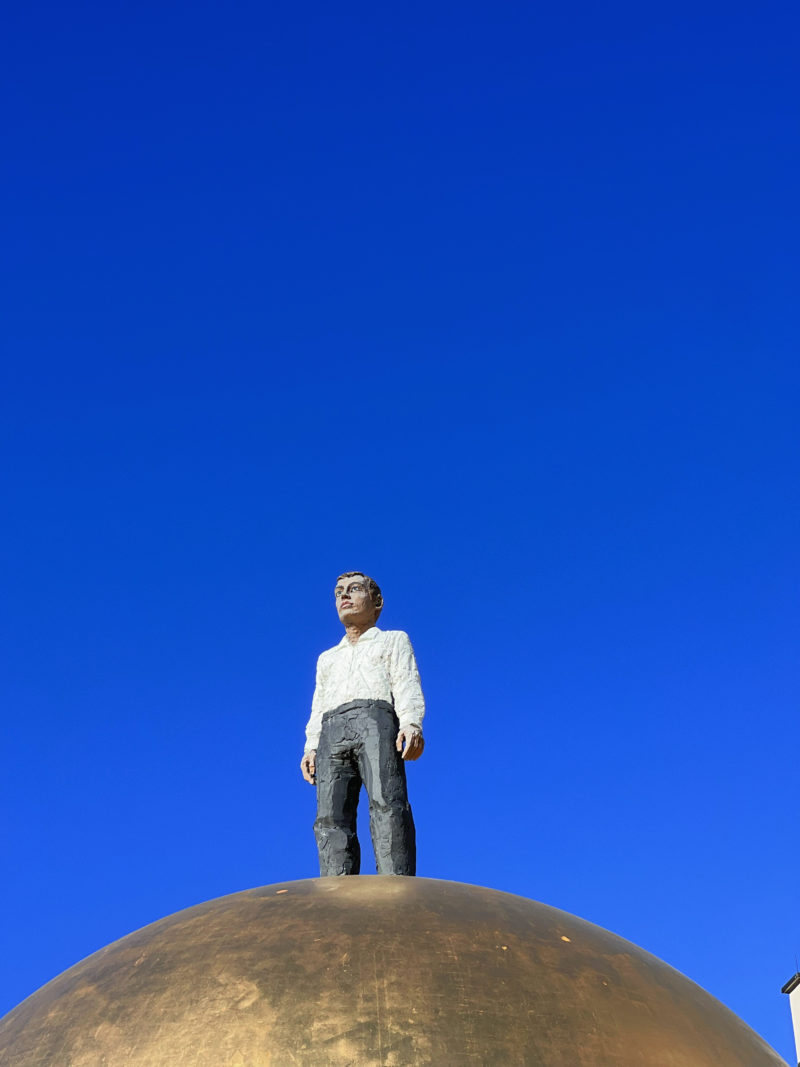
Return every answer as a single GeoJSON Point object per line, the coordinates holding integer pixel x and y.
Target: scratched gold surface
{"type": "Point", "coordinates": [370, 970]}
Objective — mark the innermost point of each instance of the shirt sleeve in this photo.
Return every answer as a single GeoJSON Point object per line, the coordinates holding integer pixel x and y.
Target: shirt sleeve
{"type": "Point", "coordinates": [314, 726]}
{"type": "Point", "coordinates": [409, 703]}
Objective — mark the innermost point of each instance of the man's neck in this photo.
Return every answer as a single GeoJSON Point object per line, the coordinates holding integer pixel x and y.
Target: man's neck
{"type": "Point", "coordinates": [354, 630]}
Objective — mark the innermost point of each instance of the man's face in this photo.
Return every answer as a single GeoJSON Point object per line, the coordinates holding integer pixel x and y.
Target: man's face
{"type": "Point", "coordinates": [353, 602]}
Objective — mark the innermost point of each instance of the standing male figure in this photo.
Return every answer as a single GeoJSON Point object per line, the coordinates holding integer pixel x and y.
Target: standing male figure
{"type": "Point", "coordinates": [366, 719]}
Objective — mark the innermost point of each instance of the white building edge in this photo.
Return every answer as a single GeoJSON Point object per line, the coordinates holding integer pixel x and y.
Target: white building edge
{"type": "Point", "coordinates": [792, 987]}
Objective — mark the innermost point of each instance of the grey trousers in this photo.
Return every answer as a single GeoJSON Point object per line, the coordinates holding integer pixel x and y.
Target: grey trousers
{"type": "Point", "coordinates": [357, 747]}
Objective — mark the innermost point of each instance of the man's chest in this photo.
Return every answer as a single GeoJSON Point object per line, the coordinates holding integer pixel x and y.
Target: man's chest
{"type": "Point", "coordinates": [366, 663]}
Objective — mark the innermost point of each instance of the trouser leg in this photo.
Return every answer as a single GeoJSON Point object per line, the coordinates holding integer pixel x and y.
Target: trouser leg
{"type": "Point", "coordinates": [338, 786]}
{"type": "Point", "coordinates": [384, 775]}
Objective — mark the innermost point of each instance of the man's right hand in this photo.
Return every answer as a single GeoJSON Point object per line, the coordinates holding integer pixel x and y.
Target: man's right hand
{"type": "Point", "coordinates": [308, 765]}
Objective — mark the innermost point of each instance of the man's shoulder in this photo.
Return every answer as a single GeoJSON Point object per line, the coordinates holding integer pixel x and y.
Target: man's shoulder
{"type": "Point", "coordinates": [396, 637]}
{"type": "Point", "coordinates": [329, 652]}
{"type": "Point", "coordinates": [386, 637]}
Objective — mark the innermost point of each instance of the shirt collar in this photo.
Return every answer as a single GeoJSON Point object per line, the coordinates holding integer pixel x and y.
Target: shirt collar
{"type": "Point", "coordinates": [368, 635]}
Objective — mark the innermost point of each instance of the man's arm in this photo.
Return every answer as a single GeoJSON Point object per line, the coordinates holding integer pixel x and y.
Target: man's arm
{"type": "Point", "coordinates": [409, 703]}
{"type": "Point", "coordinates": [308, 764]}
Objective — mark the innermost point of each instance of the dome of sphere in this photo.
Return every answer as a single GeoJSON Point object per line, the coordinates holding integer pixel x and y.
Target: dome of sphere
{"type": "Point", "coordinates": [388, 971]}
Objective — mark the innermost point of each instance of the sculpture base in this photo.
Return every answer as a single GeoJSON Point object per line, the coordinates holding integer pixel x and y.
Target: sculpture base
{"type": "Point", "coordinates": [375, 970]}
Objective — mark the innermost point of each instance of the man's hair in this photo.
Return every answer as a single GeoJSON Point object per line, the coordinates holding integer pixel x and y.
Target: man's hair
{"type": "Point", "coordinates": [374, 590]}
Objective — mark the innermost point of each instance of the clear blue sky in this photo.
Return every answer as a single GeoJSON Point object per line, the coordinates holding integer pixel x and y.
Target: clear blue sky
{"type": "Point", "coordinates": [496, 302]}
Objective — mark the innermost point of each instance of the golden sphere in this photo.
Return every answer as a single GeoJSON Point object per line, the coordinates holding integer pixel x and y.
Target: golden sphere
{"type": "Point", "coordinates": [388, 971]}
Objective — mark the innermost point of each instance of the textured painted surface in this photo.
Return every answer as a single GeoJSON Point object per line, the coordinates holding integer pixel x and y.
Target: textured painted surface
{"type": "Point", "coordinates": [375, 970]}
{"type": "Point", "coordinates": [379, 666]}
{"type": "Point", "coordinates": [357, 746]}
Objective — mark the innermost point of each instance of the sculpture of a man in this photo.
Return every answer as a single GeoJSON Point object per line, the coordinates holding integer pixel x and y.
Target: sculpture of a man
{"type": "Point", "coordinates": [366, 719]}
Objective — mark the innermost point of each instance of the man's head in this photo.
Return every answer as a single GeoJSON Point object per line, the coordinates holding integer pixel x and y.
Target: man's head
{"type": "Point", "coordinates": [358, 599]}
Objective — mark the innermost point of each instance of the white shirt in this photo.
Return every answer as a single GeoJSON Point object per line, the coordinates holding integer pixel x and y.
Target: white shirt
{"type": "Point", "coordinates": [379, 666]}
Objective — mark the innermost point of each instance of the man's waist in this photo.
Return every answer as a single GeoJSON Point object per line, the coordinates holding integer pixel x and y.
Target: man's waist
{"type": "Point", "coordinates": [361, 705]}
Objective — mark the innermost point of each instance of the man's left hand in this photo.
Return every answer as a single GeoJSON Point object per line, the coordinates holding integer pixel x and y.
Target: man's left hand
{"type": "Point", "coordinates": [410, 743]}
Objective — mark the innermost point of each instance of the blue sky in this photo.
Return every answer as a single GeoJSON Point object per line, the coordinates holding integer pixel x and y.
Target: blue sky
{"type": "Point", "coordinates": [496, 303]}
